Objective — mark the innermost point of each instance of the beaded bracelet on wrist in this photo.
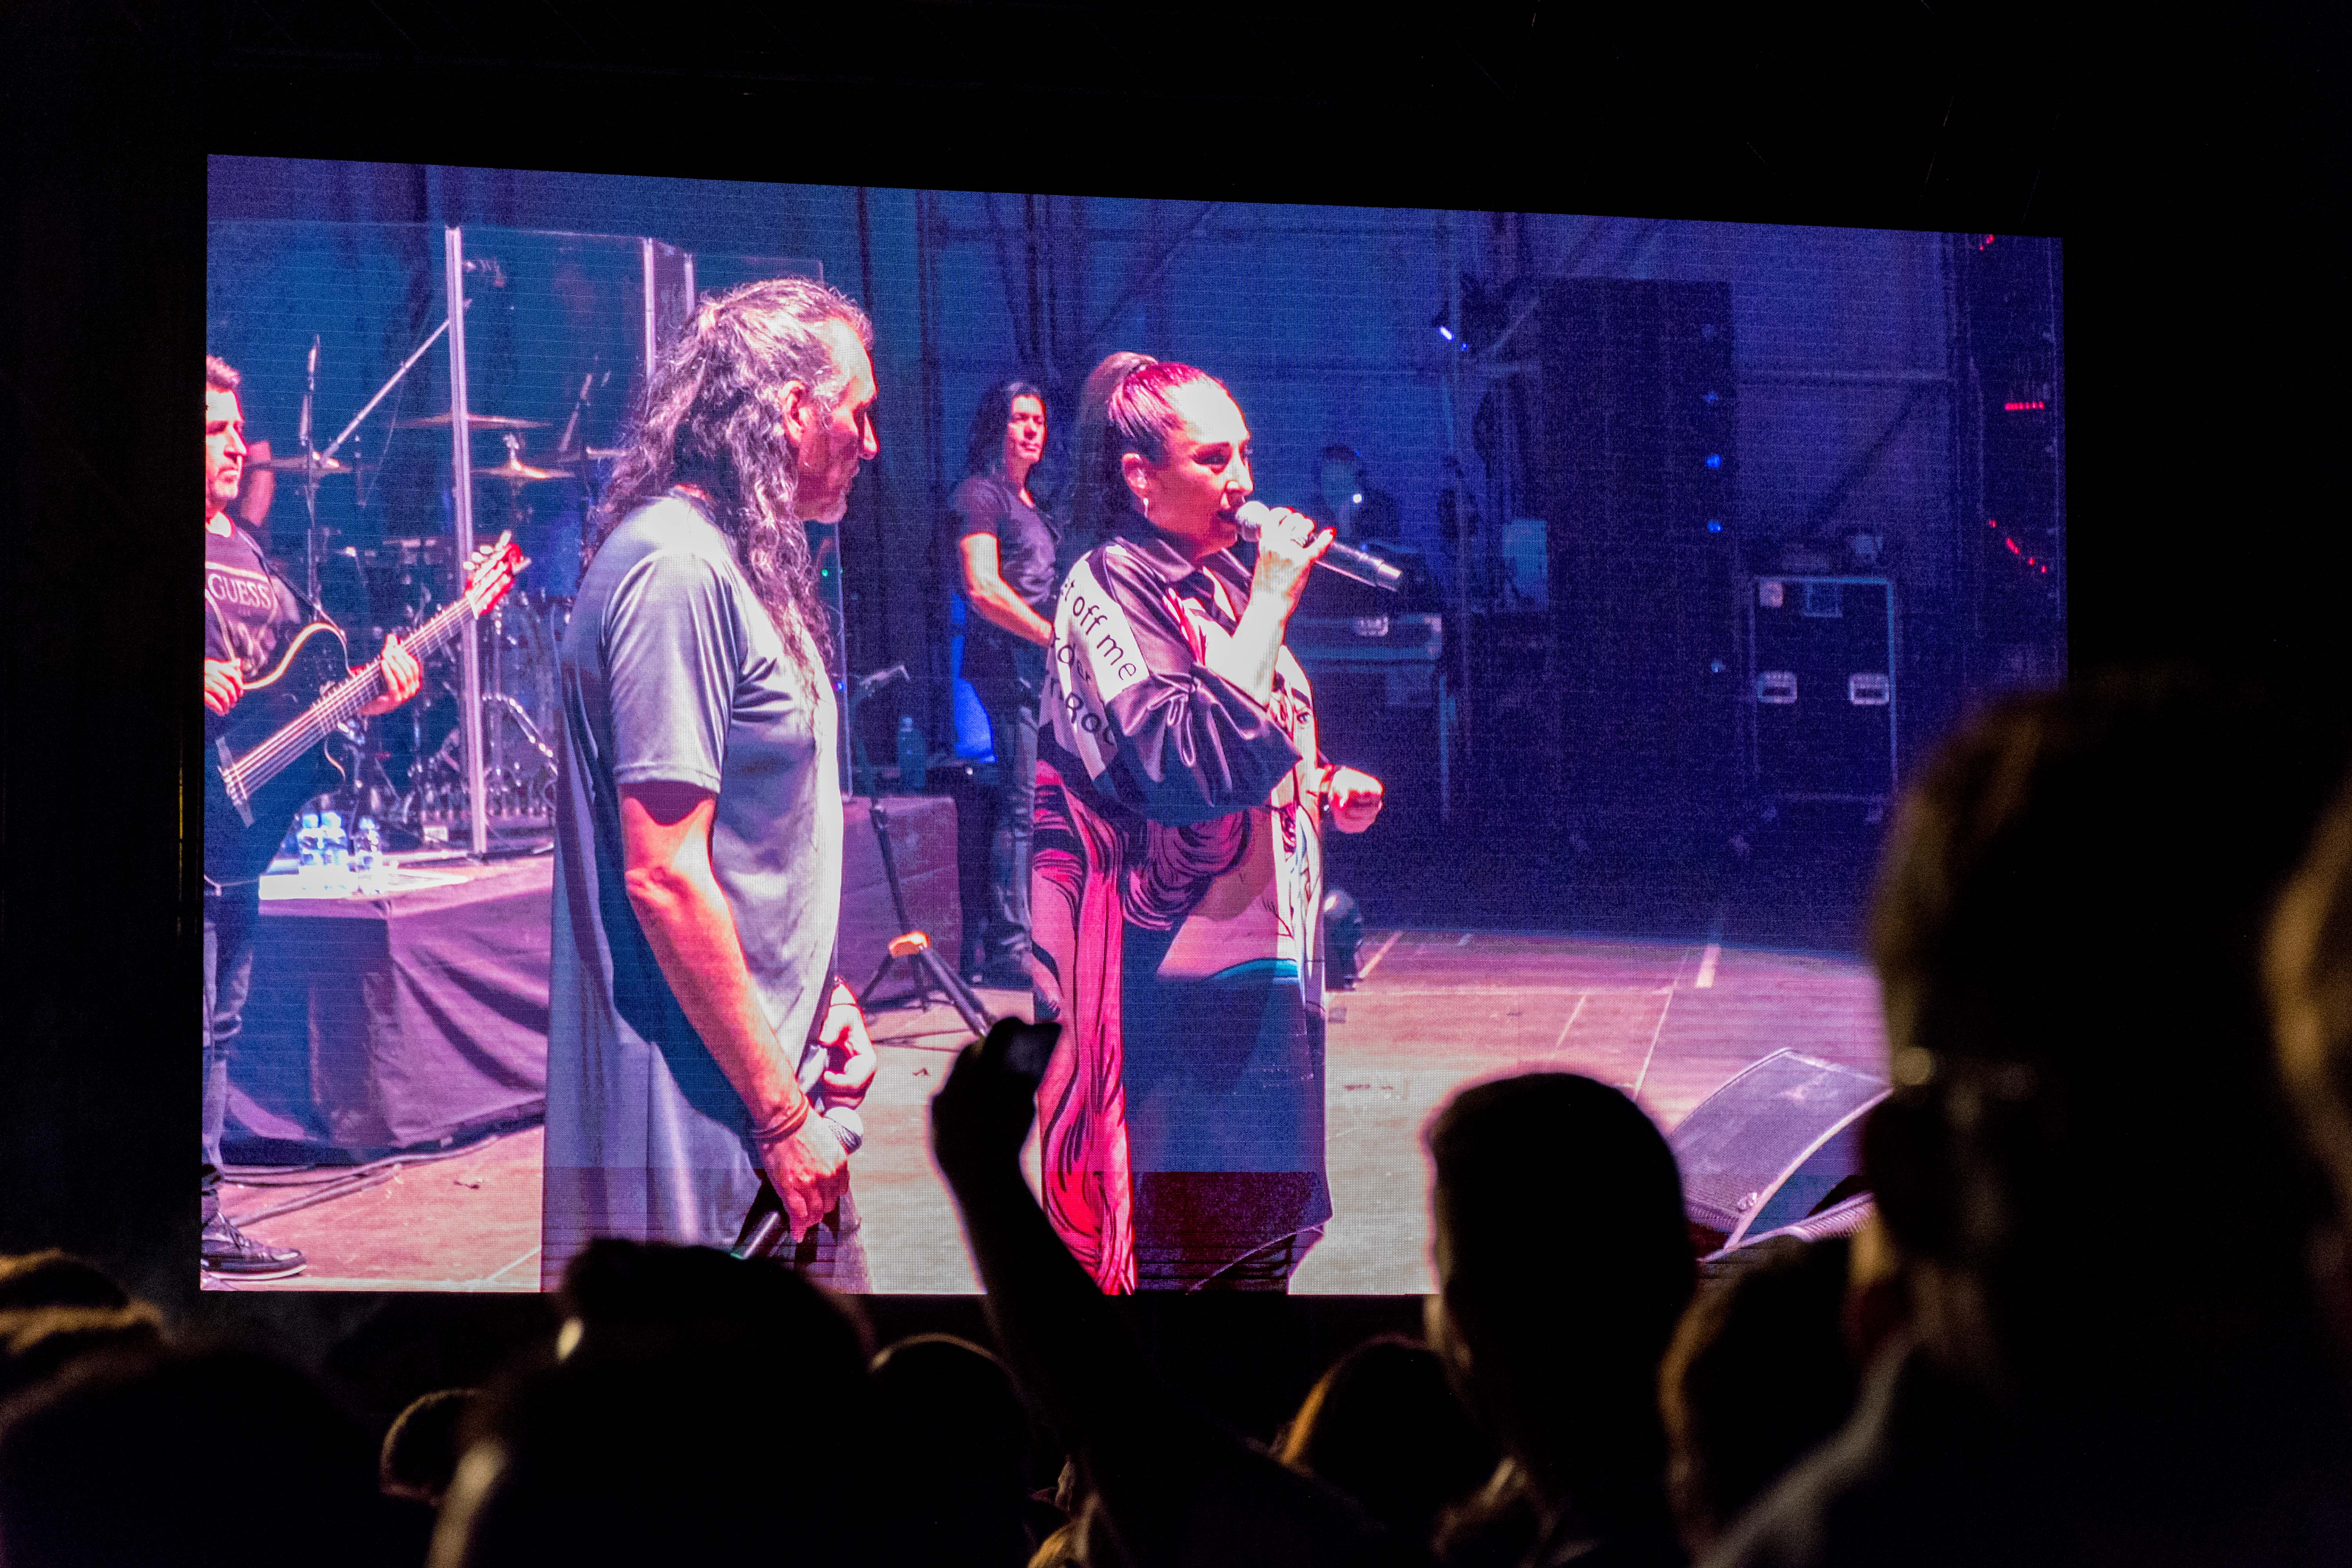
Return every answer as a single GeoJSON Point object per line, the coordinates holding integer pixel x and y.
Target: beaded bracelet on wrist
{"type": "Point", "coordinates": [786, 1125]}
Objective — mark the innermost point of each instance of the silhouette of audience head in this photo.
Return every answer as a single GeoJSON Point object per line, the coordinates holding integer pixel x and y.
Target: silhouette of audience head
{"type": "Point", "coordinates": [698, 1408]}
{"type": "Point", "coordinates": [1384, 1427]}
{"type": "Point", "coordinates": [960, 1442]}
{"type": "Point", "coordinates": [420, 1451]}
{"type": "Point", "coordinates": [37, 1343]}
{"type": "Point", "coordinates": [120, 1459]}
{"type": "Point", "coordinates": [2310, 964]}
{"type": "Point", "coordinates": [1759, 1374]}
{"type": "Point", "coordinates": [2066, 932]}
{"type": "Point", "coordinates": [57, 1279]}
{"type": "Point", "coordinates": [1563, 1263]}
{"type": "Point", "coordinates": [1496, 1526]}
{"type": "Point", "coordinates": [1086, 1542]}
{"type": "Point", "coordinates": [627, 1298]}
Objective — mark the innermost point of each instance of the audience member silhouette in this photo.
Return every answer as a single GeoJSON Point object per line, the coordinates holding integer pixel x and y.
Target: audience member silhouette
{"type": "Point", "coordinates": [1171, 1484]}
{"type": "Point", "coordinates": [1086, 1542]}
{"type": "Point", "coordinates": [119, 1462]}
{"type": "Point", "coordinates": [1384, 1427]}
{"type": "Point", "coordinates": [420, 1451]}
{"type": "Point", "coordinates": [56, 1278]}
{"type": "Point", "coordinates": [2083, 1329]}
{"type": "Point", "coordinates": [1760, 1374]}
{"type": "Point", "coordinates": [2310, 963]}
{"type": "Point", "coordinates": [628, 1297]}
{"type": "Point", "coordinates": [1877, 1302]}
{"type": "Point", "coordinates": [2086, 1168]}
{"type": "Point", "coordinates": [1563, 1263]}
{"type": "Point", "coordinates": [698, 1409]}
{"type": "Point", "coordinates": [958, 1441]}
{"type": "Point", "coordinates": [1495, 1527]}
{"type": "Point", "coordinates": [38, 1343]}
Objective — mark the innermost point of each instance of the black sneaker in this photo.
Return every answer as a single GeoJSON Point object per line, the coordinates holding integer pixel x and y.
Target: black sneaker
{"type": "Point", "coordinates": [233, 1255]}
{"type": "Point", "coordinates": [1005, 974]}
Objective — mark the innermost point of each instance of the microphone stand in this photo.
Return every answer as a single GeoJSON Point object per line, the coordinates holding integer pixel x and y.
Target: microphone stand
{"type": "Point", "coordinates": [862, 772]}
{"type": "Point", "coordinates": [312, 471]}
{"type": "Point", "coordinates": [385, 390]}
{"type": "Point", "coordinates": [317, 465]}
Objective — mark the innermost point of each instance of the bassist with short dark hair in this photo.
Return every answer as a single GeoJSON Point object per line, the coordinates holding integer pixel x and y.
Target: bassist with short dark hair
{"type": "Point", "coordinates": [251, 617]}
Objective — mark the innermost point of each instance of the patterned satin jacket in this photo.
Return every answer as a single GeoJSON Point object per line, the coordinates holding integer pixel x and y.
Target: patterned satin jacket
{"type": "Point", "coordinates": [1177, 864]}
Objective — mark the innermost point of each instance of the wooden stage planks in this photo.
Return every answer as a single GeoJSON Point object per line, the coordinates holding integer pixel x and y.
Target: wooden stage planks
{"type": "Point", "coordinates": [1438, 1009]}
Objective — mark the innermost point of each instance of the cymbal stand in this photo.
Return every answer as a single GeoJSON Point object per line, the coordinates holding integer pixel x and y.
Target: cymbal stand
{"type": "Point", "coordinates": [317, 465]}
{"type": "Point", "coordinates": [496, 733]}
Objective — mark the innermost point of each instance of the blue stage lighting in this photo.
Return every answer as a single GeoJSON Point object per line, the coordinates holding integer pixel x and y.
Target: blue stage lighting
{"type": "Point", "coordinates": [1715, 460]}
{"type": "Point", "coordinates": [1714, 525]}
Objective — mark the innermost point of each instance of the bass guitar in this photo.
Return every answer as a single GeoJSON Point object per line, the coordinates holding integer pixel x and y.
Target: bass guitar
{"type": "Point", "coordinates": [269, 752]}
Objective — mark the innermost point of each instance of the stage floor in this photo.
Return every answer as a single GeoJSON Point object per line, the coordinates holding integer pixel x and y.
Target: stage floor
{"type": "Point", "coordinates": [1667, 1022]}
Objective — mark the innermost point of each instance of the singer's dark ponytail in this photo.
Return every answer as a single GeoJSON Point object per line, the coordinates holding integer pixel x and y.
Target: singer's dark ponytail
{"type": "Point", "coordinates": [1098, 494]}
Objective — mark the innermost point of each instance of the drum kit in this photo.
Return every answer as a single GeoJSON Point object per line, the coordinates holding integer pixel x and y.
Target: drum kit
{"type": "Point", "coordinates": [411, 777]}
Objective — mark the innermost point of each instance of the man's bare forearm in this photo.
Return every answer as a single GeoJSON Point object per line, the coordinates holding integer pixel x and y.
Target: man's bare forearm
{"type": "Point", "coordinates": [1176, 1483]}
{"type": "Point", "coordinates": [692, 932]}
{"type": "Point", "coordinates": [1141, 1446]}
{"type": "Point", "coordinates": [1003, 608]}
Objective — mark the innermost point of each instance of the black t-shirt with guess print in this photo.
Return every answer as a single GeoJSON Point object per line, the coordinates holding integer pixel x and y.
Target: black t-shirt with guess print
{"type": "Point", "coordinates": [250, 613]}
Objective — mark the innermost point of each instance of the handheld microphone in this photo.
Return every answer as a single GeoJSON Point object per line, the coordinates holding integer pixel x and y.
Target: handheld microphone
{"type": "Point", "coordinates": [1344, 559]}
{"type": "Point", "coordinates": [765, 1232]}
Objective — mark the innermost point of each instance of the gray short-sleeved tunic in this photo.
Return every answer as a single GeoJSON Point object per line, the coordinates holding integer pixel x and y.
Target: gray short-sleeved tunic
{"type": "Point", "coordinates": [673, 672]}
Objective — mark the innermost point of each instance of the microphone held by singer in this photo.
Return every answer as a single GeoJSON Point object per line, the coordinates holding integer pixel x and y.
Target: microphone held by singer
{"type": "Point", "coordinates": [1344, 559]}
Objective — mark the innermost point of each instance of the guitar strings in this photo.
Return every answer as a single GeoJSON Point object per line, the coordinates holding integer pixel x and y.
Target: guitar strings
{"type": "Point", "coordinates": [329, 713]}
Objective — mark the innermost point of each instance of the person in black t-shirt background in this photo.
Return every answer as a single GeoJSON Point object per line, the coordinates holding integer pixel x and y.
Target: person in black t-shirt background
{"type": "Point", "coordinates": [250, 615]}
{"type": "Point", "coordinates": [1006, 548]}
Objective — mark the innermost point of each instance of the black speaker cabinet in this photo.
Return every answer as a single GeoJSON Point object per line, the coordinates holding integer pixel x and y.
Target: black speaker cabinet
{"type": "Point", "coordinates": [1632, 462]}
{"type": "Point", "coordinates": [1778, 1144]}
{"type": "Point", "coordinates": [1821, 657]}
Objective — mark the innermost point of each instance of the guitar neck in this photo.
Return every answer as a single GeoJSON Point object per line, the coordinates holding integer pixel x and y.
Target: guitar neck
{"type": "Point", "coordinates": [342, 703]}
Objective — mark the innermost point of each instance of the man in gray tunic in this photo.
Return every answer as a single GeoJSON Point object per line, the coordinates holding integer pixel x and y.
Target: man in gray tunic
{"type": "Point", "coordinates": [698, 1037]}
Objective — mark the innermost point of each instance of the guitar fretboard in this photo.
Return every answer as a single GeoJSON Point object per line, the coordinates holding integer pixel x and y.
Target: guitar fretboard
{"type": "Point", "coordinates": [339, 705]}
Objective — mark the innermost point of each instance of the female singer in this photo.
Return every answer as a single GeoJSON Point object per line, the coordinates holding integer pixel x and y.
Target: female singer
{"type": "Point", "coordinates": [1177, 864]}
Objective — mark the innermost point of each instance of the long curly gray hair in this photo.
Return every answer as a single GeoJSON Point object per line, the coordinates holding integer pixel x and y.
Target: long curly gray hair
{"type": "Point", "coordinates": [711, 416]}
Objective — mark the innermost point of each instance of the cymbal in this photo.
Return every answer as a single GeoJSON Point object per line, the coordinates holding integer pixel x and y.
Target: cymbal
{"type": "Point", "coordinates": [515, 471]}
{"type": "Point", "coordinates": [298, 464]}
{"type": "Point", "coordinates": [473, 422]}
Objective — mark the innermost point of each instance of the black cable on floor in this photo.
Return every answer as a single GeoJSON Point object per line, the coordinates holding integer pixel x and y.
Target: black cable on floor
{"type": "Point", "coordinates": [356, 1179]}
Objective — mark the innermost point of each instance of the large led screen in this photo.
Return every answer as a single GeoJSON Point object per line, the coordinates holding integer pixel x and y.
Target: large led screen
{"type": "Point", "coordinates": [765, 597]}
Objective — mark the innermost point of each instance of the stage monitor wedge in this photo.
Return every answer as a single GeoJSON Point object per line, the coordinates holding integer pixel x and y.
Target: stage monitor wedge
{"type": "Point", "coordinates": [1781, 1141]}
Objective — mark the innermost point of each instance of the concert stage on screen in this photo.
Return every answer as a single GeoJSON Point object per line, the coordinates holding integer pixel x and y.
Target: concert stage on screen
{"type": "Point", "coordinates": [1672, 549]}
